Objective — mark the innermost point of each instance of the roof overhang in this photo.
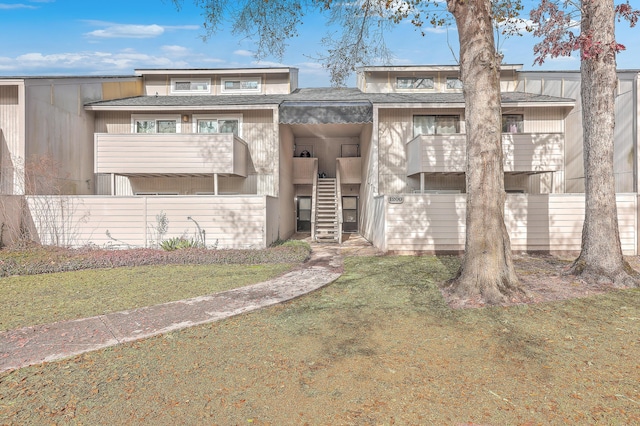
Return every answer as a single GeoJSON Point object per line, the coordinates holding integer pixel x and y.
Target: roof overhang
{"type": "Point", "coordinates": [292, 112]}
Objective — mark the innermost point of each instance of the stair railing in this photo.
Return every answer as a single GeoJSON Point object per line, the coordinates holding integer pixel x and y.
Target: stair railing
{"type": "Point", "coordinates": [339, 201]}
{"type": "Point", "coordinates": [314, 199]}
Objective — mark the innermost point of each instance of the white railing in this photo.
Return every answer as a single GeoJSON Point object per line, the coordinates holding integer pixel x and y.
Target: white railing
{"type": "Point", "coordinates": [522, 152]}
{"type": "Point", "coordinates": [314, 198]}
{"type": "Point", "coordinates": [339, 202]}
{"type": "Point", "coordinates": [171, 153]}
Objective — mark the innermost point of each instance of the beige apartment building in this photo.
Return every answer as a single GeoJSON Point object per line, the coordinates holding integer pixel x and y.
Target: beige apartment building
{"type": "Point", "coordinates": [244, 157]}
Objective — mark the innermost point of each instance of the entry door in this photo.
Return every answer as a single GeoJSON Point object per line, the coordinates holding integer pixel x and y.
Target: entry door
{"type": "Point", "coordinates": [350, 214]}
{"type": "Point", "coordinates": [304, 214]}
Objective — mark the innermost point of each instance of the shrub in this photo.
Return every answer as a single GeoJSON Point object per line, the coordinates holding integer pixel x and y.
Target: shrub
{"type": "Point", "coordinates": [41, 260]}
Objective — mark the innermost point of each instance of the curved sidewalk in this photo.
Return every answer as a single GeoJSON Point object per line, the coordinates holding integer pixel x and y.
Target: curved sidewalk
{"type": "Point", "coordinates": [49, 342]}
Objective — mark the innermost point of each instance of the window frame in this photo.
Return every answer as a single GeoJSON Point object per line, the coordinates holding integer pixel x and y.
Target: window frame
{"type": "Point", "coordinates": [451, 78]}
{"type": "Point", "coordinates": [436, 116]}
{"type": "Point", "coordinates": [242, 80]}
{"type": "Point", "coordinates": [413, 82]}
{"type": "Point", "coordinates": [519, 123]}
{"type": "Point", "coordinates": [193, 81]}
{"type": "Point", "coordinates": [217, 117]}
{"type": "Point", "coordinates": [155, 117]}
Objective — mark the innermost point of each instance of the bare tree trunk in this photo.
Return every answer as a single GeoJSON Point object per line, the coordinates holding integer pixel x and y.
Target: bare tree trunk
{"type": "Point", "coordinates": [601, 257]}
{"type": "Point", "coordinates": [487, 268]}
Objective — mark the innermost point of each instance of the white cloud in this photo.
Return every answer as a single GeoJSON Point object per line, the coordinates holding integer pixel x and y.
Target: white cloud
{"type": "Point", "coordinates": [5, 6]}
{"type": "Point", "coordinates": [128, 31]}
{"type": "Point", "coordinates": [175, 50]}
{"type": "Point", "coordinates": [86, 62]}
{"type": "Point", "coordinates": [268, 64]}
{"type": "Point", "coordinates": [243, 53]}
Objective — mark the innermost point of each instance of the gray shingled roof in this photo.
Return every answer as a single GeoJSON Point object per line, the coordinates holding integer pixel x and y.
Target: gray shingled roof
{"type": "Point", "coordinates": [316, 106]}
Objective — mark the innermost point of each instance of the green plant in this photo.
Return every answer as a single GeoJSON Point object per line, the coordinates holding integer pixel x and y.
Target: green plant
{"type": "Point", "coordinates": [178, 243]}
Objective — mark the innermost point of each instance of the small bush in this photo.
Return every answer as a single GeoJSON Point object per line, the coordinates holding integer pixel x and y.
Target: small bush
{"type": "Point", "coordinates": [178, 243]}
{"type": "Point", "coordinates": [42, 260]}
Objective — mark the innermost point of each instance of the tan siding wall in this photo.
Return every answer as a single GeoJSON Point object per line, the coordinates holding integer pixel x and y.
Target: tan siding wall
{"type": "Point", "coordinates": [117, 90]}
{"type": "Point", "coordinates": [10, 215]}
{"type": "Point", "coordinates": [543, 120]}
{"type": "Point", "coordinates": [350, 170]}
{"type": "Point", "coordinates": [370, 218]}
{"type": "Point", "coordinates": [258, 131]}
{"type": "Point", "coordinates": [568, 85]}
{"type": "Point", "coordinates": [287, 224]}
{"type": "Point", "coordinates": [228, 221]}
{"type": "Point", "coordinates": [60, 130]}
{"type": "Point", "coordinates": [426, 223]}
{"type": "Point", "coordinates": [11, 139]}
{"type": "Point", "coordinates": [623, 152]}
{"type": "Point", "coordinates": [168, 153]}
{"type": "Point", "coordinates": [271, 83]}
{"type": "Point", "coordinates": [395, 128]}
{"type": "Point", "coordinates": [534, 222]}
{"type": "Point", "coordinates": [113, 122]}
{"type": "Point", "coordinates": [303, 170]}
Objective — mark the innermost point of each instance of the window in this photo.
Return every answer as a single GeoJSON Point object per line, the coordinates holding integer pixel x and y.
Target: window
{"type": "Point", "coordinates": [454, 83]}
{"type": "Point", "coordinates": [414, 83]}
{"type": "Point", "coordinates": [217, 124]}
{"type": "Point", "coordinates": [202, 85]}
{"type": "Point", "coordinates": [512, 123]}
{"type": "Point", "coordinates": [435, 124]}
{"type": "Point", "coordinates": [241, 85]}
{"type": "Point", "coordinates": [146, 124]}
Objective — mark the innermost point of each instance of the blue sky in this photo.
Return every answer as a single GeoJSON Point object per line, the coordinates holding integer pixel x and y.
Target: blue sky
{"type": "Point", "coordinates": [95, 37]}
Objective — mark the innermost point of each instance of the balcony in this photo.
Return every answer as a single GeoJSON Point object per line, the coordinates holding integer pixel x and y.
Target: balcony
{"type": "Point", "coordinates": [304, 169]}
{"type": "Point", "coordinates": [350, 170]}
{"type": "Point", "coordinates": [174, 153]}
{"type": "Point", "coordinates": [523, 152]}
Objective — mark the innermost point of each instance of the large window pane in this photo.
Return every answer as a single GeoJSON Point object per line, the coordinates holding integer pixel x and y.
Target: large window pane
{"type": "Point", "coordinates": [446, 124]}
{"type": "Point", "coordinates": [228, 126]}
{"type": "Point", "coordinates": [435, 124]}
{"type": "Point", "coordinates": [512, 123]}
{"type": "Point", "coordinates": [166, 126]}
{"type": "Point", "coordinates": [207, 126]}
{"type": "Point", "coordinates": [145, 126]}
{"type": "Point", "coordinates": [424, 125]}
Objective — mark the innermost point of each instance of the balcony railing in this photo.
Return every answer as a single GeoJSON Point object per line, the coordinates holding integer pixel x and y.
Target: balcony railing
{"type": "Point", "coordinates": [174, 153]}
{"type": "Point", "coordinates": [523, 152]}
{"type": "Point", "coordinates": [350, 169]}
{"type": "Point", "coordinates": [304, 170]}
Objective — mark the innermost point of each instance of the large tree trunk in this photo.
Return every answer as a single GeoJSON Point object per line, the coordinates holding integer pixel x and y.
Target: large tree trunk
{"type": "Point", "coordinates": [487, 268]}
{"type": "Point", "coordinates": [601, 257]}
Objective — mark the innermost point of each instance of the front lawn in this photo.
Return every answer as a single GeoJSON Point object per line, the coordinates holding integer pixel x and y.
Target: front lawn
{"type": "Point", "coordinates": [379, 346]}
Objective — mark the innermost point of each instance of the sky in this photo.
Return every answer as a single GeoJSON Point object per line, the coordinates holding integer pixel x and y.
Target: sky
{"type": "Point", "coordinates": [115, 37]}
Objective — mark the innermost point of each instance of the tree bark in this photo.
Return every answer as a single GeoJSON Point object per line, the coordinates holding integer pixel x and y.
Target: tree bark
{"type": "Point", "coordinates": [487, 268]}
{"type": "Point", "coordinates": [600, 259]}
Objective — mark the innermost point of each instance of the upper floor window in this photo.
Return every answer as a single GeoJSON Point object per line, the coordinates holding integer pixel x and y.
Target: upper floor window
{"type": "Point", "coordinates": [454, 83]}
{"type": "Point", "coordinates": [415, 83]}
{"type": "Point", "coordinates": [146, 124]}
{"type": "Point", "coordinates": [190, 85]}
{"type": "Point", "coordinates": [217, 124]}
{"type": "Point", "coordinates": [241, 85]}
{"type": "Point", "coordinates": [435, 124]}
{"type": "Point", "coordinates": [512, 123]}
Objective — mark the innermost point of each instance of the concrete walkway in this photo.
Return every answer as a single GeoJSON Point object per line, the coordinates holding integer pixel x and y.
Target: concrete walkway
{"type": "Point", "coordinates": [42, 343]}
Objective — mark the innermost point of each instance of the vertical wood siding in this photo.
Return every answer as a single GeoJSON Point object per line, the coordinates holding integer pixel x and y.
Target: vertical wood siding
{"type": "Point", "coordinates": [534, 222]}
{"type": "Point", "coordinates": [11, 139]}
{"type": "Point", "coordinates": [228, 221]}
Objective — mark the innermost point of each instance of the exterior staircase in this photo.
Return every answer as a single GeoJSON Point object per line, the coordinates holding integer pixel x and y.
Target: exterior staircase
{"type": "Point", "coordinates": [326, 229]}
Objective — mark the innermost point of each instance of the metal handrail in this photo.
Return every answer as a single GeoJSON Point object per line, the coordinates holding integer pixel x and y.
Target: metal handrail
{"type": "Point", "coordinates": [314, 200]}
{"type": "Point", "coordinates": [339, 201]}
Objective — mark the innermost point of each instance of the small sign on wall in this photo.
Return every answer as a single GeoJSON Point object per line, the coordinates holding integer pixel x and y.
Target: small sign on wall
{"type": "Point", "coordinates": [396, 199]}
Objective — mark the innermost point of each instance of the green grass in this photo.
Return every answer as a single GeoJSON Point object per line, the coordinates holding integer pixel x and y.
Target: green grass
{"type": "Point", "coordinates": [378, 346]}
{"type": "Point", "coordinates": [38, 299]}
